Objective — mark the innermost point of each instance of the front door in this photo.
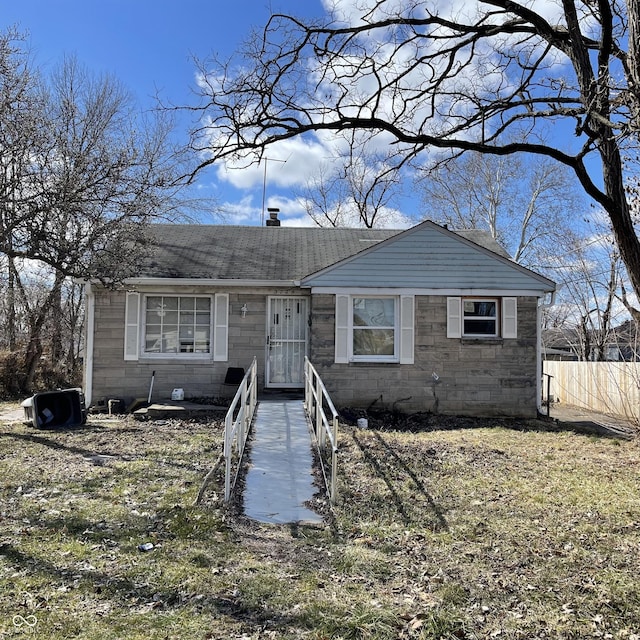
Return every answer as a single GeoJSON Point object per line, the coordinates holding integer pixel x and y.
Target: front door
{"type": "Point", "coordinates": [286, 341]}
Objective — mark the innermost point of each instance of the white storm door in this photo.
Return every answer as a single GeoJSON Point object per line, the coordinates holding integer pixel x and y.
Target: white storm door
{"type": "Point", "coordinates": [287, 325]}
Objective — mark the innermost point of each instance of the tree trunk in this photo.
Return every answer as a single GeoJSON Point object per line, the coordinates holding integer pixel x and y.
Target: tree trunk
{"type": "Point", "coordinates": [34, 349]}
{"type": "Point", "coordinates": [30, 362]}
{"type": "Point", "coordinates": [55, 340]}
{"type": "Point", "coordinates": [11, 306]}
{"type": "Point", "coordinates": [619, 210]}
{"type": "Point", "coordinates": [633, 59]}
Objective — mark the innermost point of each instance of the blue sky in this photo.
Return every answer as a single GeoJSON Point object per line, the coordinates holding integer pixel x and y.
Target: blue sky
{"type": "Point", "coordinates": [149, 45]}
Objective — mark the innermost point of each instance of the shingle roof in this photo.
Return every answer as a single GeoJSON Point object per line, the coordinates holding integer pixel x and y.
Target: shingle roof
{"type": "Point", "coordinates": [484, 239]}
{"type": "Point", "coordinates": [261, 253]}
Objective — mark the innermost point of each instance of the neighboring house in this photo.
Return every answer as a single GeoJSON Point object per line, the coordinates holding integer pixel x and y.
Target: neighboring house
{"type": "Point", "coordinates": [618, 344]}
{"type": "Point", "coordinates": [558, 354]}
{"type": "Point", "coordinates": [624, 343]}
{"type": "Point", "coordinates": [419, 320]}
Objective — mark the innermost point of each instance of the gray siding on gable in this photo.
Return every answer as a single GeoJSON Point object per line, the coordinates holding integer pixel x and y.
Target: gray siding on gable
{"type": "Point", "coordinates": [429, 258]}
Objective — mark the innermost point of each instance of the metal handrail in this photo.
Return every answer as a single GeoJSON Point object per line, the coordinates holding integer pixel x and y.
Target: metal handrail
{"type": "Point", "coordinates": [315, 397]}
{"type": "Point", "coordinates": [236, 431]}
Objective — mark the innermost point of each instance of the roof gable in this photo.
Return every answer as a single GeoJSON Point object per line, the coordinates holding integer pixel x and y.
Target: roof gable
{"type": "Point", "coordinates": [426, 256]}
{"type": "Point", "coordinates": [429, 256]}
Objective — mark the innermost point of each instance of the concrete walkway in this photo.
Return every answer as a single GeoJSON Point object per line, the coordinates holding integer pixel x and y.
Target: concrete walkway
{"type": "Point", "coordinates": [591, 421]}
{"type": "Point", "coordinates": [279, 481]}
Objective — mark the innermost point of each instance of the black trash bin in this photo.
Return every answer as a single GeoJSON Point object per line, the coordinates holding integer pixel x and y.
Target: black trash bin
{"type": "Point", "coordinates": [55, 409]}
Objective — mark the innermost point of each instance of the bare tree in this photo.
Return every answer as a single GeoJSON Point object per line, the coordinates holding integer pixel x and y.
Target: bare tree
{"type": "Point", "coordinates": [81, 175]}
{"type": "Point", "coordinates": [359, 193]}
{"type": "Point", "coordinates": [83, 172]}
{"type": "Point", "coordinates": [525, 203]}
{"type": "Point", "coordinates": [42, 346]}
{"type": "Point", "coordinates": [591, 279]}
{"type": "Point", "coordinates": [106, 173]}
{"type": "Point", "coordinates": [441, 76]}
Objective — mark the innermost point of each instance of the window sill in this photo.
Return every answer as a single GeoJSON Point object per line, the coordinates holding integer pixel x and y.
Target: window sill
{"type": "Point", "coordinates": [480, 340]}
{"type": "Point", "coordinates": [174, 357]}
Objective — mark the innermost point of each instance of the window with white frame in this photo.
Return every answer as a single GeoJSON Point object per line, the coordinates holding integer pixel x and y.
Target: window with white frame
{"type": "Point", "coordinates": [480, 317]}
{"type": "Point", "coordinates": [177, 324]}
{"type": "Point", "coordinates": [374, 327]}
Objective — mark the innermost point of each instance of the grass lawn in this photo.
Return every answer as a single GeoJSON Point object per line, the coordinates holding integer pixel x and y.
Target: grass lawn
{"type": "Point", "coordinates": [499, 531]}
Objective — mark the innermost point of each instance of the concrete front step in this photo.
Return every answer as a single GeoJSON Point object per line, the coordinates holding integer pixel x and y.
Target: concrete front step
{"type": "Point", "coordinates": [176, 410]}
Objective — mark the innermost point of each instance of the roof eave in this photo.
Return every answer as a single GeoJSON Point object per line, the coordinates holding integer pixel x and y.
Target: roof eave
{"type": "Point", "coordinates": [209, 282]}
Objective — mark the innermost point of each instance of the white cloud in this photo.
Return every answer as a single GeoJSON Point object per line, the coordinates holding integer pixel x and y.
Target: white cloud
{"type": "Point", "coordinates": [350, 12]}
{"type": "Point", "coordinates": [298, 221]}
{"type": "Point", "coordinates": [243, 212]}
{"type": "Point", "coordinates": [288, 163]}
{"type": "Point", "coordinates": [247, 211]}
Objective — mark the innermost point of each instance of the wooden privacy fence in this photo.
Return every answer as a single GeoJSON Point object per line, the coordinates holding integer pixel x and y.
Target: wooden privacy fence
{"type": "Point", "coordinates": [607, 387]}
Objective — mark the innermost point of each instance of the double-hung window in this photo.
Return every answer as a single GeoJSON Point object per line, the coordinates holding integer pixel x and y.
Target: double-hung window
{"type": "Point", "coordinates": [177, 324]}
{"type": "Point", "coordinates": [480, 317]}
{"type": "Point", "coordinates": [374, 328]}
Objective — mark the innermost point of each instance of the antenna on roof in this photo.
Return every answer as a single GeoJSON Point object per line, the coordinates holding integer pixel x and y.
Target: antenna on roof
{"type": "Point", "coordinates": [264, 183]}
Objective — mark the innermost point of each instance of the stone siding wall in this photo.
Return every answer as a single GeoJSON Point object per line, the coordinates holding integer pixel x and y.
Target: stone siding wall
{"type": "Point", "coordinates": [474, 377]}
{"type": "Point", "coordinates": [113, 377]}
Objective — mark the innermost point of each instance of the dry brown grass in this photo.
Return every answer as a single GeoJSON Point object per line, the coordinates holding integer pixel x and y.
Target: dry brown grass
{"type": "Point", "coordinates": [511, 533]}
{"type": "Point", "coordinates": [448, 533]}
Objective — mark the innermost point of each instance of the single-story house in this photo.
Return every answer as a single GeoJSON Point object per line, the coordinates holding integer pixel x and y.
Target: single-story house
{"type": "Point", "coordinates": [615, 344]}
{"type": "Point", "coordinates": [423, 319]}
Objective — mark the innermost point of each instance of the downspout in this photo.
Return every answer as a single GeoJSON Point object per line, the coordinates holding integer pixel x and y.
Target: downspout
{"type": "Point", "coordinates": [541, 306]}
{"type": "Point", "coordinates": [90, 306]}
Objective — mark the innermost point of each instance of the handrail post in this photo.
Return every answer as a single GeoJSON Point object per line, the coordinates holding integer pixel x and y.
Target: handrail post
{"type": "Point", "coordinates": [319, 430]}
{"type": "Point", "coordinates": [549, 377]}
{"type": "Point", "coordinates": [314, 401]}
{"type": "Point", "coordinates": [306, 384]}
{"type": "Point", "coordinates": [334, 463]}
{"type": "Point", "coordinates": [243, 413]}
{"type": "Point", "coordinates": [228, 453]}
{"type": "Point", "coordinates": [236, 431]}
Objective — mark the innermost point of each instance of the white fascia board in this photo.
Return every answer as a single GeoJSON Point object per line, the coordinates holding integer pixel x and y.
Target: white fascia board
{"type": "Point", "coordinates": [208, 282]}
{"type": "Point", "coordinates": [89, 329]}
{"type": "Point", "coordinates": [388, 291]}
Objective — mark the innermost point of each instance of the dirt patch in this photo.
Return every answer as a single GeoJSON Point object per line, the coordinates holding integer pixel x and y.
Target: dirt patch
{"type": "Point", "coordinates": [562, 419]}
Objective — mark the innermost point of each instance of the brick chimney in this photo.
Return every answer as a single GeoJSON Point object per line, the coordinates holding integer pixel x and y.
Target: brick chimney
{"type": "Point", "coordinates": [273, 217]}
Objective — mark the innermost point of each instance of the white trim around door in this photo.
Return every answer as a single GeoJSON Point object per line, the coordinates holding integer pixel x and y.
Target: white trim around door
{"type": "Point", "coordinates": [287, 340]}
